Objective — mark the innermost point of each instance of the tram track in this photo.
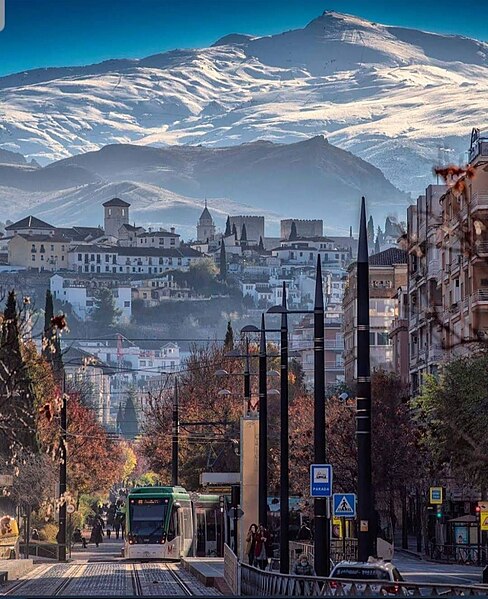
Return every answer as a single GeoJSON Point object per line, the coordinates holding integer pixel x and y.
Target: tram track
{"type": "Point", "coordinates": [136, 581]}
{"type": "Point", "coordinates": [23, 585]}
{"type": "Point", "coordinates": [180, 582]}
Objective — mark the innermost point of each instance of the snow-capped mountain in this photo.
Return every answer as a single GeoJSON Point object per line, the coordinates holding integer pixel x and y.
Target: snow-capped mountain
{"type": "Point", "coordinates": [166, 186]}
{"type": "Point", "coordinates": [390, 95]}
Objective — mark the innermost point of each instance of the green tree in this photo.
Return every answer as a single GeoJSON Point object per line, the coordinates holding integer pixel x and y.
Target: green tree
{"type": "Point", "coordinates": [244, 234]}
{"type": "Point", "coordinates": [293, 232]}
{"type": "Point", "coordinates": [229, 337]}
{"type": "Point", "coordinates": [17, 420]}
{"type": "Point", "coordinates": [370, 230]}
{"type": "Point", "coordinates": [228, 230]}
{"type": "Point", "coordinates": [452, 419]}
{"type": "Point", "coordinates": [130, 423]}
{"type": "Point", "coordinates": [234, 231]}
{"type": "Point", "coordinates": [223, 262]}
{"type": "Point", "coordinates": [105, 312]}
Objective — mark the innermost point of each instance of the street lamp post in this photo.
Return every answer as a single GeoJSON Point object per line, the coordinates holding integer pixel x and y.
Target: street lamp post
{"type": "Point", "coordinates": [175, 439]}
{"type": "Point", "coordinates": [284, 443]}
{"type": "Point", "coordinates": [322, 528]}
{"type": "Point", "coordinates": [263, 429]}
{"type": "Point", "coordinates": [366, 534]}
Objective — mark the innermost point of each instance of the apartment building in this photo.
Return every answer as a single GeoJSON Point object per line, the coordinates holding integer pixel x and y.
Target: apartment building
{"type": "Point", "coordinates": [424, 220]}
{"type": "Point", "coordinates": [463, 247]}
{"type": "Point", "coordinates": [387, 272]}
{"type": "Point", "coordinates": [39, 251]}
{"type": "Point", "coordinates": [82, 296]}
{"type": "Point", "coordinates": [301, 342]}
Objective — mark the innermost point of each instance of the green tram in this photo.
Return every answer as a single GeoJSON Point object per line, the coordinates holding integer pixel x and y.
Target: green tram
{"type": "Point", "coordinates": [169, 523]}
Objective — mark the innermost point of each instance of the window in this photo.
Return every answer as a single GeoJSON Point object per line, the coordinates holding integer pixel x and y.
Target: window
{"type": "Point", "coordinates": [127, 304]}
{"type": "Point", "coordinates": [52, 247]}
{"type": "Point", "coordinates": [33, 258]}
{"type": "Point", "coordinates": [382, 339]}
{"type": "Point", "coordinates": [89, 303]}
{"type": "Point", "coordinates": [79, 258]}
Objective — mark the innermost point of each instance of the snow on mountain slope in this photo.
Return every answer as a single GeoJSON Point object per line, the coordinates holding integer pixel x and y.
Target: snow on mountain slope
{"type": "Point", "coordinates": [388, 94]}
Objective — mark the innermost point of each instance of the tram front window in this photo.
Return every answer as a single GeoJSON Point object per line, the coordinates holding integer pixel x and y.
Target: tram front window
{"type": "Point", "coordinates": [148, 517]}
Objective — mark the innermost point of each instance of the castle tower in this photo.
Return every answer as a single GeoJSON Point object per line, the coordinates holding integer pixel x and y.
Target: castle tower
{"type": "Point", "coordinates": [116, 215]}
{"type": "Point", "coordinates": [205, 226]}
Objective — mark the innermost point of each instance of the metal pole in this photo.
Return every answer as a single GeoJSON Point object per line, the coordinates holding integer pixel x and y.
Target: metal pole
{"type": "Point", "coordinates": [263, 430]}
{"type": "Point", "coordinates": [366, 542]}
{"type": "Point", "coordinates": [63, 469]}
{"type": "Point", "coordinates": [247, 380]}
{"type": "Point", "coordinates": [322, 528]}
{"type": "Point", "coordinates": [175, 440]}
{"type": "Point", "coordinates": [284, 442]}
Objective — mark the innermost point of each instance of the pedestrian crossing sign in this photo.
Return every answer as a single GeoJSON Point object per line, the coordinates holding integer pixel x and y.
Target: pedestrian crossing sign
{"type": "Point", "coordinates": [344, 505]}
{"type": "Point", "coordinates": [483, 520]}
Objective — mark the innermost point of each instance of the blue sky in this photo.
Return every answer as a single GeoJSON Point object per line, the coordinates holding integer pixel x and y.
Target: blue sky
{"type": "Point", "coordinates": [41, 33]}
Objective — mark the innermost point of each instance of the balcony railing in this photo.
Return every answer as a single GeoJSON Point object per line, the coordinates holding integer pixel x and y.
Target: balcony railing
{"type": "Point", "coordinates": [479, 201]}
{"type": "Point", "coordinates": [481, 248]}
{"type": "Point", "coordinates": [433, 269]}
{"type": "Point", "coordinates": [480, 296]}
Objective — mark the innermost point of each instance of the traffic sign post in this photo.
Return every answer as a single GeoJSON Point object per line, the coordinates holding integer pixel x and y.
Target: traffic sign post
{"type": "Point", "coordinates": [435, 495]}
{"type": "Point", "coordinates": [344, 505]}
{"type": "Point", "coordinates": [320, 480]}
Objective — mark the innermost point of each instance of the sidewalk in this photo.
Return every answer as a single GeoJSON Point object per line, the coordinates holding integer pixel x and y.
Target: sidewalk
{"type": "Point", "coordinates": [109, 549]}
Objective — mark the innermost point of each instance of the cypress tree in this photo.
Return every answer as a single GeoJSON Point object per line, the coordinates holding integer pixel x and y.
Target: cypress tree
{"type": "Point", "coordinates": [261, 244]}
{"type": "Point", "coordinates": [377, 247]}
{"type": "Point", "coordinates": [130, 426]}
{"type": "Point", "coordinates": [229, 337]}
{"type": "Point", "coordinates": [51, 347]}
{"type": "Point", "coordinates": [244, 234]}
{"type": "Point", "coordinates": [228, 230]}
{"type": "Point", "coordinates": [293, 232]}
{"type": "Point", "coordinates": [120, 419]}
{"type": "Point", "coordinates": [16, 391]}
{"type": "Point", "coordinates": [234, 231]}
{"type": "Point", "coordinates": [371, 230]}
{"type": "Point", "coordinates": [223, 262]}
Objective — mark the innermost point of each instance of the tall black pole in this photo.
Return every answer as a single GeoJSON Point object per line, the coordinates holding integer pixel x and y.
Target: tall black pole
{"type": "Point", "coordinates": [247, 380]}
{"type": "Point", "coordinates": [322, 528]}
{"type": "Point", "coordinates": [366, 534]}
{"type": "Point", "coordinates": [175, 440]}
{"type": "Point", "coordinates": [263, 429]}
{"type": "Point", "coordinates": [62, 466]}
{"type": "Point", "coordinates": [284, 472]}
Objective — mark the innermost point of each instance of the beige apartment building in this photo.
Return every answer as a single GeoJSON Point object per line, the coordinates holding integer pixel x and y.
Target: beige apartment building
{"type": "Point", "coordinates": [424, 220]}
{"type": "Point", "coordinates": [463, 246]}
{"type": "Point", "coordinates": [387, 273]}
{"type": "Point", "coordinates": [41, 252]}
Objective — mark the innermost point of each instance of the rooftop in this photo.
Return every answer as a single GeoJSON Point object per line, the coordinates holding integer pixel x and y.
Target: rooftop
{"type": "Point", "coordinates": [388, 257]}
{"type": "Point", "coordinates": [29, 222]}
{"type": "Point", "coordinates": [116, 202]}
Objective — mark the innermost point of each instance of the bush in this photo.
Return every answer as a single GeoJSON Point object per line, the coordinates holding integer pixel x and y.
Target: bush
{"type": "Point", "coordinates": [48, 533]}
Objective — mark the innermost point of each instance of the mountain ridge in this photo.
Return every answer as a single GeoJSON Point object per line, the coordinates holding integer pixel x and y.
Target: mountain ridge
{"type": "Point", "coordinates": [390, 95]}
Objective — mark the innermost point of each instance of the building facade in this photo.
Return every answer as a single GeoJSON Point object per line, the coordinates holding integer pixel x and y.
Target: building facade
{"type": "Point", "coordinates": [304, 228]}
{"type": "Point", "coordinates": [387, 272]}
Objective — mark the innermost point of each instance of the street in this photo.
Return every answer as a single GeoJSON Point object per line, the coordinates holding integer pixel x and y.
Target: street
{"type": "Point", "coordinates": [415, 570]}
{"type": "Point", "coordinates": [102, 572]}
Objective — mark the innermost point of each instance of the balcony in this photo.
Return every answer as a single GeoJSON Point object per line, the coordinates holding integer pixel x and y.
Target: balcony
{"type": "Point", "coordinates": [332, 344]}
{"type": "Point", "coordinates": [479, 297]}
{"type": "Point", "coordinates": [479, 201]}
{"type": "Point", "coordinates": [455, 308]}
{"type": "Point", "coordinates": [481, 248]}
{"type": "Point", "coordinates": [433, 269]}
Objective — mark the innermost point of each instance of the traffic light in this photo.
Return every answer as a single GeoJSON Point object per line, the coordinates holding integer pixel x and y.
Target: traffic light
{"type": "Point", "coordinates": [439, 512]}
{"type": "Point", "coordinates": [477, 509]}
{"type": "Point", "coordinates": [222, 503]}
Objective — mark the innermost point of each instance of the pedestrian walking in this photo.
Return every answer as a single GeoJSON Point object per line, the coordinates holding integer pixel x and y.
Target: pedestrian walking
{"type": "Point", "coordinates": [251, 543]}
{"type": "Point", "coordinates": [96, 534]}
{"type": "Point", "coordinates": [109, 532]}
{"type": "Point", "coordinates": [117, 527]}
{"type": "Point", "coordinates": [305, 533]}
{"type": "Point", "coordinates": [262, 547]}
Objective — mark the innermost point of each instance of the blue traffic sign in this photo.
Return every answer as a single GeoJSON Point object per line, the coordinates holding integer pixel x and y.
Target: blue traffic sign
{"type": "Point", "coordinates": [344, 505]}
{"type": "Point", "coordinates": [320, 480]}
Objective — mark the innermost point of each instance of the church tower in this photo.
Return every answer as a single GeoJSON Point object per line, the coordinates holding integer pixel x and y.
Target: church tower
{"type": "Point", "coordinates": [116, 215]}
{"type": "Point", "coordinates": [206, 226]}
